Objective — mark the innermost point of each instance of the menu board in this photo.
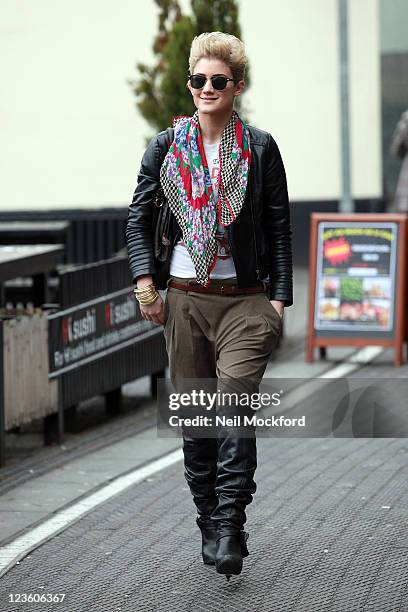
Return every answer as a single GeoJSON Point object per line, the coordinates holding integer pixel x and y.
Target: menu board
{"type": "Point", "coordinates": [356, 272]}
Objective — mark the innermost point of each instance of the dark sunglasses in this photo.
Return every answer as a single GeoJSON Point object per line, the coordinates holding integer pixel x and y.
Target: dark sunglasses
{"type": "Point", "coordinates": [198, 81]}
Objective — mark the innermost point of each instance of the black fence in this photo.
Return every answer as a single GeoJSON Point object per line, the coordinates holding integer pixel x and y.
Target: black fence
{"type": "Point", "coordinates": [92, 235]}
{"type": "Point", "coordinates": [80, 283]}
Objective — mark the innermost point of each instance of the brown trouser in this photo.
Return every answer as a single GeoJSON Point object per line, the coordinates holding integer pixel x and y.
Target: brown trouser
{"type": "Point", "coordinates": [225, 338]}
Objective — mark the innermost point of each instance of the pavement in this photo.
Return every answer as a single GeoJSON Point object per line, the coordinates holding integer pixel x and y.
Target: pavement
{"type": "Point", "coordinates": [107, 519]}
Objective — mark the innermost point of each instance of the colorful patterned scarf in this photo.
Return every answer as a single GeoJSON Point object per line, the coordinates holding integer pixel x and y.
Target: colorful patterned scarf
{"type": "Point", "coordinates": [186, 182]}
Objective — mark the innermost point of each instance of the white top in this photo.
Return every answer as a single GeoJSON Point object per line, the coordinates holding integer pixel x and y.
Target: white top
{"type": "Point", "coordinates": [181, 264]}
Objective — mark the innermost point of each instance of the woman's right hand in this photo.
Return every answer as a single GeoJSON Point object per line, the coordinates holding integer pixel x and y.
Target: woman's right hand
{"type": "Point", "coordinates": [153, 312]}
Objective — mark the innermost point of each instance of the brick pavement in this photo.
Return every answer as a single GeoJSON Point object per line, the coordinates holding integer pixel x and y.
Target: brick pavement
{"type": "Point", "coordinates": [328, 531]}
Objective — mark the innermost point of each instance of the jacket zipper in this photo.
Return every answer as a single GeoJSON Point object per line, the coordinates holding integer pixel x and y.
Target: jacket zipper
{"type": "Point", "coordinates": [254, 233]}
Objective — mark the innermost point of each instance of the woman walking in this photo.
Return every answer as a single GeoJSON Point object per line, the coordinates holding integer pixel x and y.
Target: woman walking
{"type": "Point", "coordinates": [228, 274]}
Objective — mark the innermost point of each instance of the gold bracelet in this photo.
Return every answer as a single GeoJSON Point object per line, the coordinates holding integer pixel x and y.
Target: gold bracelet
{"type": "Point", "coordinates": [145, 295]}
{"type": "Point", "coordinates": [146, 302]}
{"type": "Point", "coordinates": [149, 291]}
{"type": "Point", "coordinates": [144, 289]}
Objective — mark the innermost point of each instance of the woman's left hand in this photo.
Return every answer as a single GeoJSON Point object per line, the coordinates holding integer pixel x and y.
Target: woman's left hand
{"type": "Point", "coordinates": [278, 306]}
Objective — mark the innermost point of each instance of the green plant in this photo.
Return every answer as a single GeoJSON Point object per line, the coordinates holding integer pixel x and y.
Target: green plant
{"type": "Point", "coordinates": [161, 89]}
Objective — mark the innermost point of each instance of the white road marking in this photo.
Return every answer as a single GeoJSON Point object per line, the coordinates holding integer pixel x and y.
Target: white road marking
{"type": "Point", "coordinates": [295, 396]}
{"type": "Point", "coordinates": [365, 355]}
{"type": "Point", "coordinates": [21, 546]}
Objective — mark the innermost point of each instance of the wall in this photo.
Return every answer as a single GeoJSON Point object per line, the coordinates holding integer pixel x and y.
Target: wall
{"type": "Point", "coordinates": [71, 135]}
{"type": "Point", "coordinates": [73, 138]}
{"type": "Point", "coordinates": [294, 52]}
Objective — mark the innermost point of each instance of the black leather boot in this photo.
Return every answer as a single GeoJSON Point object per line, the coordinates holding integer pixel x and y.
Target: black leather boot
{"type": "Point", "coordinates": [230, 550]}
{"type": "Point", "coordinates": [235, 486]}
{"type": "Point", "coordinates": [200, 469]}
{"type": "Point", "coordinates": [200, 463]}
{"type": "Point", "coordinates": [209, 539]}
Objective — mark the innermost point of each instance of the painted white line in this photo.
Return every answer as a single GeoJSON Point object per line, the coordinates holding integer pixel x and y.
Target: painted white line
{"type": "Point", "coordinates": [20, 547]}
{"type": "Point", "coordinates": [310, 386]}
{"type": "Point", "coordinates": [356, 360]}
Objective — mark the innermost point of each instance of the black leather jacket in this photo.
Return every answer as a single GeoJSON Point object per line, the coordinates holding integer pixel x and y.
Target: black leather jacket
{"type": "Point", "coordinates": [260, 236]}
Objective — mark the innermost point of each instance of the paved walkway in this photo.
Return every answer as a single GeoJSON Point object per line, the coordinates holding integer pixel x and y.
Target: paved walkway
{"type": "Point", "coordinates": [328, 531]}
{"type": "Point", "coordinates": [328, 526]}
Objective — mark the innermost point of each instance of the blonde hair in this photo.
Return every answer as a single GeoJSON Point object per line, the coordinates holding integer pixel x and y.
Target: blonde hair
{"type": "Point", "coordinates": [225, 47]}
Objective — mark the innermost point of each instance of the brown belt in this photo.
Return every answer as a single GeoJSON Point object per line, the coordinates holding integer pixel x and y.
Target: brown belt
{"type": "Point", "coordinates": [221, 290]}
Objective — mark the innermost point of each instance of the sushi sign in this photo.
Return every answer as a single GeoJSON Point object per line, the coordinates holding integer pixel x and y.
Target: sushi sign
{"type": "Point", "coordinates": [357, 281]}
